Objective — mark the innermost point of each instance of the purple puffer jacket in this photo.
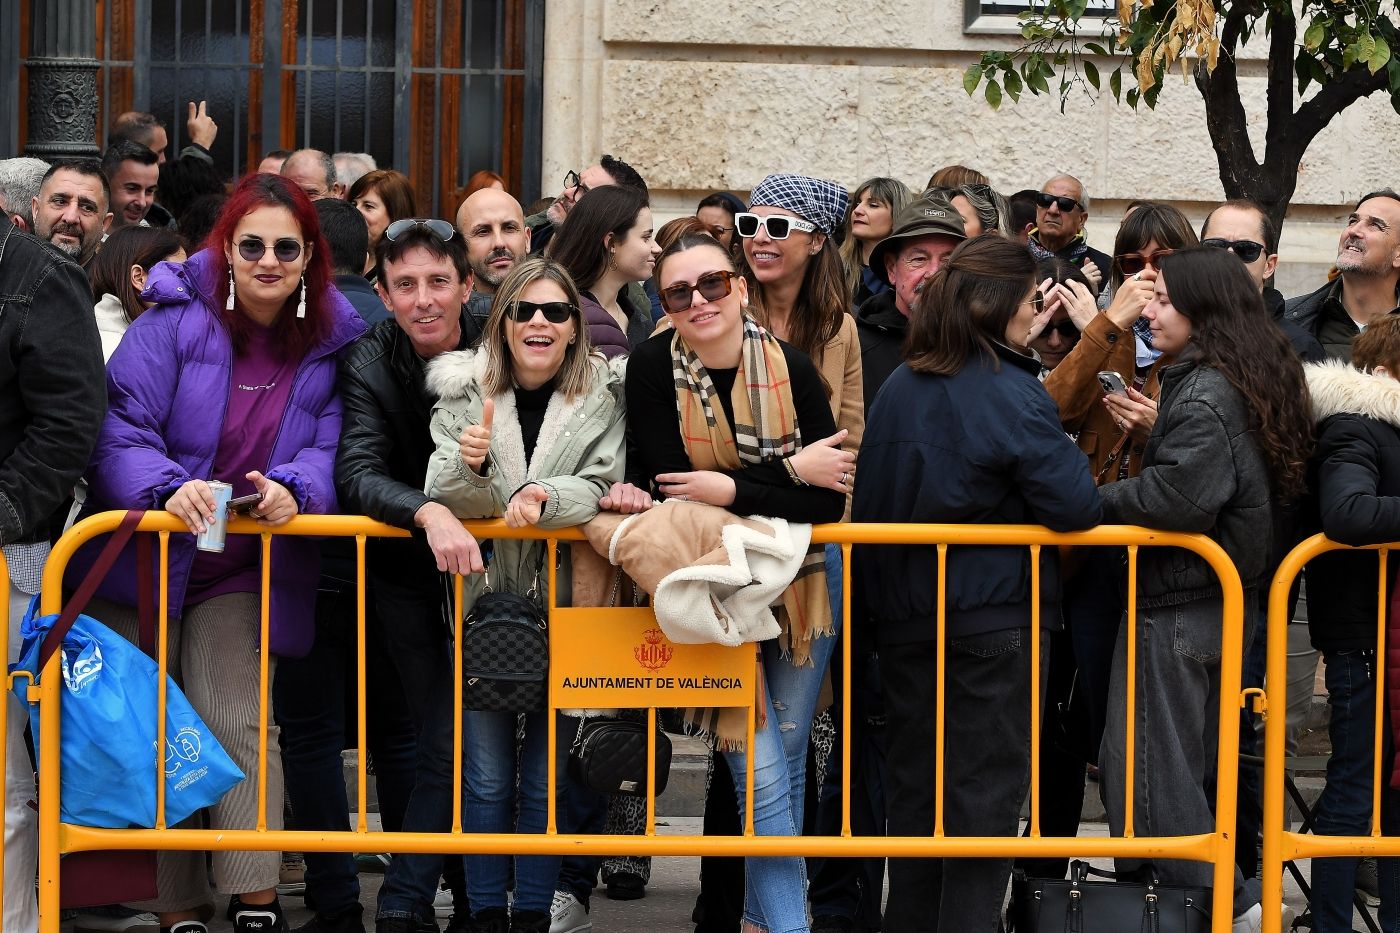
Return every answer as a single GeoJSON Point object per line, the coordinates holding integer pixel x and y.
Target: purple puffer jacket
{"type": "Point", "coordinates": [168, 388]}
{"type": "Point", "coordinates": [603, 333]}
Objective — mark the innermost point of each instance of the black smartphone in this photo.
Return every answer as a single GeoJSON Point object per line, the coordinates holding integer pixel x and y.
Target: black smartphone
{"type": "Point", "coordinates": [244, 504]}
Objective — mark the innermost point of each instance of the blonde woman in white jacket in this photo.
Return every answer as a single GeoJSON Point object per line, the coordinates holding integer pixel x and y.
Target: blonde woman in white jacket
{"type": "Point", "coordinates": [528, 427]}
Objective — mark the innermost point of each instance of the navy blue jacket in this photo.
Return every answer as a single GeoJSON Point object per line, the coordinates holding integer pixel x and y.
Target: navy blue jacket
{"type": "Point", "coordinates": [983, 446]}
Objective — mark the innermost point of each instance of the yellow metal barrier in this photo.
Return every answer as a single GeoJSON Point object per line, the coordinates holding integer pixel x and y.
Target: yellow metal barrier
{"type": "Point", "coordinates": [613, 635]}
{"type": "Point", "coordinates": [1280, 844]}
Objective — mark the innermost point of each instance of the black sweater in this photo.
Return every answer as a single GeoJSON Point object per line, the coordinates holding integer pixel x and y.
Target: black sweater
{"type": "Point", "coordinates": [760, 489]}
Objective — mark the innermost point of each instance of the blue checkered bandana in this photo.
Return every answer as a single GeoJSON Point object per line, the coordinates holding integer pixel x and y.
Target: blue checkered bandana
{"type": "Point", "coordinates": [816, 199]}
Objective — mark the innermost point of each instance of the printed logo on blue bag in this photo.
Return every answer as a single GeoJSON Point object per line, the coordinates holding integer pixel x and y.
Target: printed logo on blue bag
{"type": "Point", "coordinates": [184, 748]}
{"type": "Point", "coordinates": [84, 669]}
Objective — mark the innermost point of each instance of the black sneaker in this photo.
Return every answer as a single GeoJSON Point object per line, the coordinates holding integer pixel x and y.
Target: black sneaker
{"type": "Point", "coordinates": [529, 921]}
{"type": "Point", "coordinates": [832, 924]}
{"type": "Point", "coordinates": [349, 920]}
{"type": "Point", "coordinates": [625, 886]}
{"type": "Point", "coordinates": [395, 925]}
{"type": "Point", "coordinates": [257, 918]}
{"type": "Point", "coordinates": [490, 920]}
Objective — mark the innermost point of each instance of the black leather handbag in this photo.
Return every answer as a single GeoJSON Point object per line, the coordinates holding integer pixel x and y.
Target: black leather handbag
{"type": "Point", "coordinates": [609, 756]}
{"type": "Point", "coordinates": [1046, 905]}
{"type": "Point", "coordinates": [505, 654]}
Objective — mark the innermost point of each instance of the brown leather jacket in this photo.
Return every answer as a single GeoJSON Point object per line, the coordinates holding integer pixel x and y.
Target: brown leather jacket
{"type": "Point", "coordinates": [1074, 386]}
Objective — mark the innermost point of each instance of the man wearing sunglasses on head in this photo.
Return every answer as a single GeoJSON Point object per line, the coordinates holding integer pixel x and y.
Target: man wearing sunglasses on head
{"type": "Point", "coordinates": [1242, 227]}
{"type": "Point", "coordinates": [1368, 286]}
{"type": "Point", "coordinates": [608, 171]}
{"type": "Point", "coordinates": [1061, 211]}
{"type": "Point", "coordinates": [385, 444]}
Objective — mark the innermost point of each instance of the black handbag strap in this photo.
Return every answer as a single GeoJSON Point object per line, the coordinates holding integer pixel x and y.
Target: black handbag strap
{"type": "Point", "coordinates": [88, 588]}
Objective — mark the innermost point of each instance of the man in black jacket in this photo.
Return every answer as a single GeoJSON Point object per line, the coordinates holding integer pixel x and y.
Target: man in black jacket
{"type": "Point", "coordinates": [1368, 286]}
{"type": "Point", "coordinates": [380, 469]}
{"type": "Point", "coordinates": [53, 397]}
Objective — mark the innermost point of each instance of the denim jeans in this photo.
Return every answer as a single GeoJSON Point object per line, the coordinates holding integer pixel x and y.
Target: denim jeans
{"type": "Point", "coordinates": [987, 771]}
{"type": "Point", "coordinates": [314, 699]}
{"type": "Point", "coordinates": [586, 813]}
{"type": "Point", "coordinates": [1176, 734]}
{"type": "Point", "coordinates": [1344, 807]}
{"type": "Point", "coordinates": [490, 804]}
{"type": "Point", "coordinates": [775, 889]}
{"type": "Point", "coordinates": [417, 643]}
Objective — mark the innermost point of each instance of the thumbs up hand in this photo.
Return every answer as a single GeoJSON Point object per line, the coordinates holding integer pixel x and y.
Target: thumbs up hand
{"type": "Point", "coordinates": [475, 442]}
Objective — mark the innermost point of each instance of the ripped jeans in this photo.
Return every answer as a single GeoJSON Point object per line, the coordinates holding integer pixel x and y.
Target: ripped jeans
{"type": "Point", "coordinates": [775, 889]}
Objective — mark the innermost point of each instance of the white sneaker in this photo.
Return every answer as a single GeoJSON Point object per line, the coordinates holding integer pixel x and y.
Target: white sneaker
{"type": "Point", "coordinates": [1252, 920]}
{"type": "Point", "coordinates": [567, 915]}
{"type": "Point", "coordinates": [113, 919]}
{"type": "Point", "coordinates": [442, 902]}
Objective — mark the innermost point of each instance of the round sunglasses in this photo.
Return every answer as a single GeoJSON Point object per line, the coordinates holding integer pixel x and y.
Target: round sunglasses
{"type": "Point", "coordinates": [776, 226]}
{"type": "Point", "coordinates": [712, 286]}
{"type": "Point", "coordinates": [1247, 250]}
{"type": "Point", "coordinates": [283, 250]}
{"type": "Point", "coordinates": [1133, 263]}
{"type": "Point", "coordinates": [555, 312]}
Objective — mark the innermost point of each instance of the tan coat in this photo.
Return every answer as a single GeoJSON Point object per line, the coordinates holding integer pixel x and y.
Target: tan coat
{"type": "Point", "coordinates": [1074, 386]}
{"type": "Point", "coordinates": [840, 367]}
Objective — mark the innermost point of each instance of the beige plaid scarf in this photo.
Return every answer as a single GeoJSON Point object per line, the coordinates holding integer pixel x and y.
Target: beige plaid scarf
{"type": "Point", "coordinates": [765, 428]}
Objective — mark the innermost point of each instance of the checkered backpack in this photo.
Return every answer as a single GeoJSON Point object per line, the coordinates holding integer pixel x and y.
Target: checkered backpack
{"type": "Point", "coordinates": [505, 653]}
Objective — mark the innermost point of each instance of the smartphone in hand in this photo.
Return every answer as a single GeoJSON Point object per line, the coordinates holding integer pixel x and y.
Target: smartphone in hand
{"type": "Point", "coordinates": [244, 504]}
{"type": "Point", "coordinates": [1112, 384]}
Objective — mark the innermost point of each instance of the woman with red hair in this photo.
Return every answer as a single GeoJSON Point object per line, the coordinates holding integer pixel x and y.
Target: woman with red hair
{"type": "Point", "coordinates": [230, 376]}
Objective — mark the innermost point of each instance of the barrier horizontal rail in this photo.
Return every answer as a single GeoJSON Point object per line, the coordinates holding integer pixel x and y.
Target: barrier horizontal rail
{"type": "Point", "coordinates": [1217, 847]}
{"type": "Point", "coordinates": [1281, 844]}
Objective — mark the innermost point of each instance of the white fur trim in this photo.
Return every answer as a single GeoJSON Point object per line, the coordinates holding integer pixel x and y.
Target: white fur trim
{"type": "Point", "coordinates": [455, 373]}
{"type": "Point", "coordinates": [1338, 388]}
{"type": "Point", "coordinates": [729, 604]}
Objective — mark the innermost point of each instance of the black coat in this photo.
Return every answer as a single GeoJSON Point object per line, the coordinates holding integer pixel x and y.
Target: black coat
{"type": "Point", "coordinates": [881, 328]}
{"type": "Point", "coordinates": [1203, 472]}
{"type": "Point", "coordinates": [1354, 478]}
{"type": "Point", "coordinates": [53, 387]}
{"type": "Point", "coordinates": [1305, 344]}
{"type": "Point", "coordinates": [385, 443]}
{"type": "Point", "coordinates": [983, 446]}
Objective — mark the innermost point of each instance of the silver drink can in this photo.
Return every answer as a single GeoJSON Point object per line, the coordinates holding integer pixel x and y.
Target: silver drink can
{"type": "Point", "coordinates": [212, 538]}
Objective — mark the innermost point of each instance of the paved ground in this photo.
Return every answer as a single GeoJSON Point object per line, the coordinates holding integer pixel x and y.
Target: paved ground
{"type": "Point", "coordinates": [670, 896]}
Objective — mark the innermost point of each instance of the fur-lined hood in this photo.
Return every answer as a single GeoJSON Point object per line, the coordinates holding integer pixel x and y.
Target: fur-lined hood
{"type": "Point", "coordinates": [458, 373]}
{"type": "Point", "coordinates": [1338, 388]}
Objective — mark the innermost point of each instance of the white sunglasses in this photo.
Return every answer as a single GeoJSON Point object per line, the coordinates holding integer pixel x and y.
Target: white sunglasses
{"type": "Point", "coordinates": [777, 226]}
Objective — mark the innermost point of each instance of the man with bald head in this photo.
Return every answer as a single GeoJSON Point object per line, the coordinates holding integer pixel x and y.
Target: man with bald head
{"type": "Point", "coordinates": [1062, 207]}
{"type": "Point", "coordinates": [313, 171]}
{"type": "Point", "coordinates": [493, 225]}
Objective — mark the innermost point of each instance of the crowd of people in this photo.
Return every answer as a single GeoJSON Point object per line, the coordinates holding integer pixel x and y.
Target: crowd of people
{"type": "Point", "coordinates": [810, 354]}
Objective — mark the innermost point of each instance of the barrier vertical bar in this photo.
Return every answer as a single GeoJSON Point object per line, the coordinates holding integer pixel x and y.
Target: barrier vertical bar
{"type": "Point", "coordinates": [48, 753]}
{"type": "Point", "coordinates": [265, 615]}
{"type": "Point", "coordinates": [748, 754]}
{"type": "Point", "coordinates": [553, 727]}
{"type": "Point", "coordinates": [1228, 750]}
{"type": "Point", "coordinates": [1035, 692]}
{"type": "Point", "coordinates": [5, 726]}
{"type": "Point", "coordinates": [1130, 720]}
{"type": "Point", "coordinates": [162, 649]}
{"type": "Point", "coordinates": [939, 710]}
{"type": "Point", "coordinates": [361, 728]}
{"type": "Point", "coordinates": [1382, 604]}
{"type": "Point", "coordinates": [458, 613]}
{"type": "Point", "coordinates": [847, 676]}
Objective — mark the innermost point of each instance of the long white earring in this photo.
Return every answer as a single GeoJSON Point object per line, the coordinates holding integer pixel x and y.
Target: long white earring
{"type": "Point", "coordinates": [301, 305]}
{"type": "Point", "coordinates": [228, 305]}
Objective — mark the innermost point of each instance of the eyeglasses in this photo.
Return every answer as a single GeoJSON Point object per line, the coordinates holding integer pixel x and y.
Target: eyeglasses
{"type": "Point", "coordinates": [1036, 301]}
{"type": "Point", "coordinates": [776, 226]}
{"type": "Point", "coordinates": [555, 312]}
{"type": "Point", "coordinates": [284, 250]}
{"type": "Point", "coordinates": [572, 180]}
{"type": "Point", "coordinates": [712, 286]}
{"type": "Point", "coordinates": [439, 228]}
{"type": "Point", "coordinates": [1247, 250]}
{"type": "Point", "coordinates": [717, 231]}
{"type": "Point", "coordinates": [1066, 204]}
{"type": "Point", "coordinates": [1133, 263]}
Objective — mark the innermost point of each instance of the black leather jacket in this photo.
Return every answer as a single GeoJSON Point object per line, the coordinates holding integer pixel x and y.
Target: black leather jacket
{"type": "Point", "coordinates": [53, 388]}
{"type": "Point", "coordinates": [385, 443]}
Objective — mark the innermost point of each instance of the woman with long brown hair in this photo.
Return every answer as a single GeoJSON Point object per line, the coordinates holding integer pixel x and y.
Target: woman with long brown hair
{"type": "Point", "coordinates": [1228, 450]}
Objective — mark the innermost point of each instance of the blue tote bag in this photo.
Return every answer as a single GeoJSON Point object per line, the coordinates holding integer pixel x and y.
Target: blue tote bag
{"type": "Point", "coordinates": [108, 720]}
